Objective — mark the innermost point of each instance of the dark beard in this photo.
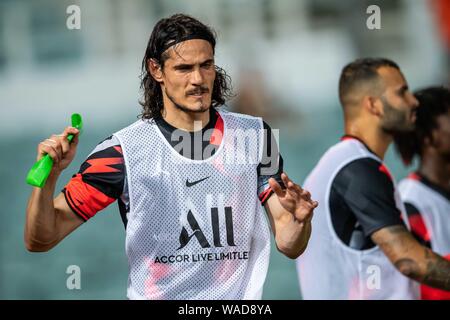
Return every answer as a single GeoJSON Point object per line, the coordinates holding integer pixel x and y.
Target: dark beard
{"type": "Point", "coordinates": [184, 108]}
{"type": "Point", "coordinates": [395, 121]}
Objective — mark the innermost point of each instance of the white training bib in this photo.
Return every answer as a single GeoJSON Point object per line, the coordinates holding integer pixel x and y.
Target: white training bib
{"type": "Point", "coordinates": [434, 209]}
{"type": "Point", "coordinates": [196, 228]}
{"type": "Point", "coordinates": [329, 269]}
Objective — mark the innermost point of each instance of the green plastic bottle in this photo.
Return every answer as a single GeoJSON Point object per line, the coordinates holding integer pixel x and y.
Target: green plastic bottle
{"type": "Point", "coordinates": [39, 172]}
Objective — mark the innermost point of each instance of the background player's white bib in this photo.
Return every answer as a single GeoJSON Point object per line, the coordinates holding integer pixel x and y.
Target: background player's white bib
{"type": "Point", "coordinates": [329, 269]}
{"type": "Point", "coordinates": [196, 229]}
{"type": "Point", "coordinates": [434, 209]}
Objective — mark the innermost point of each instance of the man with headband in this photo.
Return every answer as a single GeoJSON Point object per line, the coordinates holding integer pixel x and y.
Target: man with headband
{"type": "Point", "coordinates": [187, 176]}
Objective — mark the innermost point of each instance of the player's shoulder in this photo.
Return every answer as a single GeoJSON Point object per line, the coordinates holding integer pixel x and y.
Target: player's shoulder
{"type": "Point", "coordinates": [242, 116]}
{"type": "Point", "coordinates": [109, 144]}
{"type": "Point", "coordinates": [363, 165]}
{"type": "Point", "coordinates": [354, 148]}
{"type": "Point", "coordinates": [344, 152]}
{"type": "Point", "coordinates": [244, 121]}
{"type": "Point", "coordinates": [370, 171]}
{"type": "Point", "coordinates": [409, 182]}
{"type": "Point", "coordinates": [135, 126]}
{"type": "Point", "coordinates": [416, 186]}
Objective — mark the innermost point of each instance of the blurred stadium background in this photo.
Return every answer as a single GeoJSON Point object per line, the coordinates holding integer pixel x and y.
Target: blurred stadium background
{"type": "Point", "coordinates": [284, 58]}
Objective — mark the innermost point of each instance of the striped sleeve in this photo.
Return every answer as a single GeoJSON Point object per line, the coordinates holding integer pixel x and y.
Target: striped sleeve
{"type": "Point", "coordinates": [271, 165]}
{"type": "Point", "coordinates": [99, 182]}
{"type": "Point", "coordinates": [417, 224]}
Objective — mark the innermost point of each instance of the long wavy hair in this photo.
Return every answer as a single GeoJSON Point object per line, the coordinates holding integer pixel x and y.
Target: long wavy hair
{"type": "Point", "coordinates": [169, 31]}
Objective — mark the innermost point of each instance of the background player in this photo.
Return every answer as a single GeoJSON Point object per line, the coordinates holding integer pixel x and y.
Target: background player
{"type": "Point", "coordinates": [360, 247]}
{"type": "Point", "coordinates": [426, 192]}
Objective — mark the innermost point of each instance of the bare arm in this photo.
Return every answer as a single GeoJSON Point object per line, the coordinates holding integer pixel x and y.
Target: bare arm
{"type": "Point", "coordinates": [49, 220]}
{"type": "Point", "coordinates": [411, 258]}
{"type": "Point", "coordinates": [290, 213]}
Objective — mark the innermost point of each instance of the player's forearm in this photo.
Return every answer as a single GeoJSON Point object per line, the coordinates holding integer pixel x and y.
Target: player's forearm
{"type": "Point", "coordinates": [411, 258]}
{"type": "Point", "coordinates": [40, 225]}
{"type": "Point", "coordinates": [426, 267]}
{"type": "Point", "coordinates": [292, 237]}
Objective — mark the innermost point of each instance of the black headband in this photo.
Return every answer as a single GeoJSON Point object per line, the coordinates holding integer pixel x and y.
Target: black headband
{"type": "Point", "coordinates": [198, 35]}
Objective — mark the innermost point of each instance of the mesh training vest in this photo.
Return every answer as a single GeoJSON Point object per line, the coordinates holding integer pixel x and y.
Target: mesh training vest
{"type": "Point", "coordinates": [434, 209]}
{"type": "Point", "coordinates": [329, 269]}
{"type": "Point", "coordinates": [196, 228]}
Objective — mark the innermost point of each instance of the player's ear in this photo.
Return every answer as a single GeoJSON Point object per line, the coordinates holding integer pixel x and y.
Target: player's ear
{"type": "Point", "coordinates": [155, 69]}
{"type": "Point", "coordinates": [373, 105]}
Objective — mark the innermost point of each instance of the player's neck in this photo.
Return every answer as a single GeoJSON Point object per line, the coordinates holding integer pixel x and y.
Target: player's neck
{"type": "Point", "coordinates": [437, 170]}
{"type": "Point", "coordinates": [187, 121]}
{"type": "Point", "coordinates": [374, 138]}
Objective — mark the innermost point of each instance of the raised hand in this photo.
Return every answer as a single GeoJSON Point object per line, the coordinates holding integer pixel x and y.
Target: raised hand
{"type": "Point", "coordinates": [294, 199]}
{"type": "Point", "coordinates": [59, 149]}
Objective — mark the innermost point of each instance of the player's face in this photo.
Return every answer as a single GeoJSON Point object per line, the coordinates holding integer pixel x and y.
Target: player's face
{"type": "Point", "coordinates": [442, 136]}
{"type": "Point", "coordinates": [399, 104]}
{"type": "Point", "coordinates": [188, 76]}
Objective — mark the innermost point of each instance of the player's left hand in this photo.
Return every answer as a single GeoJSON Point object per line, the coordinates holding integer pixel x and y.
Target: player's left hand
{"type": "Point", "coordinates": [294, 199]}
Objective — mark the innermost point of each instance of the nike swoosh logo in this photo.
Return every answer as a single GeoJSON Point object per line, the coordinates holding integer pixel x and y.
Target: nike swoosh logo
{"type": "Point", "coordinates": [190, 184]}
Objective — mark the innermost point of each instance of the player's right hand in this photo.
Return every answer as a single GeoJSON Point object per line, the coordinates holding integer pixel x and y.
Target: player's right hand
{"type": "Point", "coordinates": [59, 149]}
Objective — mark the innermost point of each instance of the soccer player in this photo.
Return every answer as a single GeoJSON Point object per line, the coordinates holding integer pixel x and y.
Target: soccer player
{"type": "Point", "coordinates": [360, 247]}
{"type": "Point", "coordinates": [426, 192]}
{"type": "Point", "coordinates": [186, 176]}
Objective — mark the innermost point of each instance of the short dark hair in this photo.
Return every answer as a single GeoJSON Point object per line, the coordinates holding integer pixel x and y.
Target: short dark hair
{"type": "Point", "coordinates": [433, 102]}
{"type": "Point", "coordinates": [359, 71]}
{"type": "Point", "coordinates": [168, 31]}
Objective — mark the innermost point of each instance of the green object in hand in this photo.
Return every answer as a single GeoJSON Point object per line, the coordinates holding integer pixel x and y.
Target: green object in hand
{"type": "Point", "coordinates": [38, 174]}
